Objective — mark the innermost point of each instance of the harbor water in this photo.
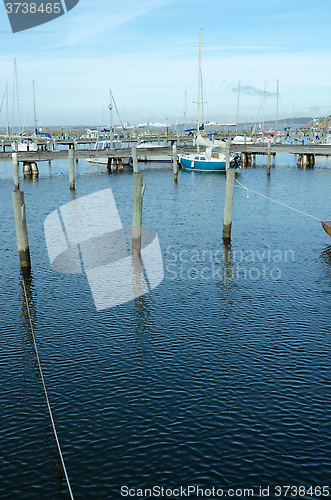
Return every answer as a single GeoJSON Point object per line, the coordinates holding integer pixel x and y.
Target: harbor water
{"type": "Point", "coordinates": [217, 378]}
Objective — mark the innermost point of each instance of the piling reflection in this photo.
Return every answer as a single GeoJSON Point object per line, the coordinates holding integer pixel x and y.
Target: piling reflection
{"type": "Point", "coordinates": [142, 314]}
{"type": "Point", "coordinates": [28, 295]}
{"type": "Point", "coordinates": [326, 256]}
{"type": "Point", "coordinates": [28, 303]}
{"type": "Point", "coordinates": [226, 288]}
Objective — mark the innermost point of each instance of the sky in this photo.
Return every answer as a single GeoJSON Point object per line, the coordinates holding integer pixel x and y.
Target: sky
{"type": "Point", "coordinates": [147, 52]}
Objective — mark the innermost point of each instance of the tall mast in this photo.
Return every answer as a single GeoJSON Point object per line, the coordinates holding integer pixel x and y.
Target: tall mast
{"type": "Point", "coordinates": [185, 111]}
{"type": "Point", "coordinates": [199, 84]}
{"type": "Point", "coordinates": [7, 115]}
{"type": "Point", "coordinates": [110, 106]}
{"type": "Point", "coordinates": [265, 90]}
{"type": "Point", "coordinates": [34, 109]}
{"type": "Point", "coordinates": [238, 104]}
{"type": "Point", "coordinates": [18, 104]}
{"type": "Point", "coordinates": [202, 103]}
{"type": "Point", "coordinates": [277, 107]}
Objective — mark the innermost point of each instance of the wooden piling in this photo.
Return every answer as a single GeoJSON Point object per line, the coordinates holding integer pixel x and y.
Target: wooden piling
{"type": "Point", "coordinates": [15, 170]}
{"type": "Point", "coordinates": [268, 158]}
{"type": "Point", "coordinates": [299, 160]}
{"type": "Point", "coordinates": [71, 158]}
{"type": "Point", "coordinates": [304, 160]}
{"type": "Point", "coordinates": [21, 229]}
{"type": "Point", "coordinates": [229, 191]}
{"type": "Point", "coordinates": [311, 160]}
{"type": "Point", "coordinates": [27, 169]}
{"type": "Point", "coordinates": [134, 159]}
{"type": "Point", "coordinates": [138, 192]}
{"type": "Point", "coordinates": [174, 160]}
{"type": "Point", "coordinates": [34, 170]}
{"type": "Point", "coordinates": [109, 163]}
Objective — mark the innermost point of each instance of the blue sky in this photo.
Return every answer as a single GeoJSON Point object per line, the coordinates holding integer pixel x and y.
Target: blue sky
{"type": "Point", "coordinates": [146, 51]}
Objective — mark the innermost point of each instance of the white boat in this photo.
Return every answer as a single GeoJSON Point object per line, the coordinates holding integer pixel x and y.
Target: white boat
{"type": "Point", "coordinates": [106, 145]}
{"type": "Point", "coordinates": [25, 144]}
{"type": "Point", "coordinates": [148, 151]}
{"type": "Point", "coordinates": [242, 139]}
{"type": "Point", "coordinates": [213, 159]}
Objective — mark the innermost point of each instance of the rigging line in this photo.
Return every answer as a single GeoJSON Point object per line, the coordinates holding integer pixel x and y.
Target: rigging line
{"type": "Point", "coordinates": [117, 111]}
{"type": "Point", "coordinates": [4, 95]}
{"type": "Point", "coordinates": [26, 112]}
{"type": "Point", "coordinates": [279, 202]}
{"type": "Point", "coordinates": [46, 395]}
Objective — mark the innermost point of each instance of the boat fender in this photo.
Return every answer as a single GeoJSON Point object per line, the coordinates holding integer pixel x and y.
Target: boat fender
{"type": "Point", "coordinates": [192, 164]}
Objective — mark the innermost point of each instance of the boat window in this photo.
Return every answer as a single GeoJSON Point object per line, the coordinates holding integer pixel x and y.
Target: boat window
{"type": "Point", "coordinates": [197, 157]}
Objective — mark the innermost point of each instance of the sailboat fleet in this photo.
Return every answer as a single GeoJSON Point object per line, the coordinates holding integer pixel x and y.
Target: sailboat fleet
{"type": "Point", "coordinates": [213, 158]}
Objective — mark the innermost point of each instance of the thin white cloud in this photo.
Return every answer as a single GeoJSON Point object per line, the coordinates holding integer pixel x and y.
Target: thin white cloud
{"type": "Point", "coordinates": [91, 18]}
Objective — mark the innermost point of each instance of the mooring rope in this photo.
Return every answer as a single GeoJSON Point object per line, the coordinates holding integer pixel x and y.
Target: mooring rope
{"type": "Point", "coordinates": [46, 395]}
{"type": "Point", "coordinates": [279, 202]}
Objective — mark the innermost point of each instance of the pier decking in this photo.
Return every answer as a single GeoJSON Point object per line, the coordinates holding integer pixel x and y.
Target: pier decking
{"type": "Point", "coordinates": [248, 149]}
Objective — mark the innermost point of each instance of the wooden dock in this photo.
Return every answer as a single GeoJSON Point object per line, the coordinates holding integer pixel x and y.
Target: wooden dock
{"type": "Point", "coordinates": [307, 150]}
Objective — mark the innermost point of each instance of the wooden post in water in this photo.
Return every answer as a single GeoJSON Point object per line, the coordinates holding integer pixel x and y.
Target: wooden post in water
{"type": "Point", "coordinates": [109, 165]}
{"type": "Point", "coordinates": [174, 160]}
{"type": "Point", "coordinates": [305, 161]}
{"type": "Point", "coordinates": [311, 160]}
{"type": "Point", "coordinates": [229, 191]}
{"type": "Point", "coordinates": [15, 169]}
{"type": "Point", "coordinates": [21, 229]}
{"type": "Point", "coordinates": [71, 168]}
{"type": "Point", "coordinates": [268, 157]}
{"type": "Point", "coordinates": [138, 192]}
{"type": "Point", "coordinates": [299, 160]}
{"type": "Point", "coordinates": [34, 170]}
{"type": "Point", "coordinates": [134, 159]}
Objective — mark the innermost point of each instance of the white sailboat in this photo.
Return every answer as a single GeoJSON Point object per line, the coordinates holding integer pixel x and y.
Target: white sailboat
{"type": "Point", "coordinates": [110, 144]}
{"type": "Point", "coordinates": [213, 159]}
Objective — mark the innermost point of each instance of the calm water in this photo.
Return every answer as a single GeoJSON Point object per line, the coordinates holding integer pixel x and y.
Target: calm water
{"type": "Point", "coordinates": [220, 377]}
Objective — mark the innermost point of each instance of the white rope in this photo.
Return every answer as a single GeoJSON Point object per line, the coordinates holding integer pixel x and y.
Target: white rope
{"type": "Point", "coordinates": [45, 390]}
{"type": "Point", "coordinates": [279, 202]}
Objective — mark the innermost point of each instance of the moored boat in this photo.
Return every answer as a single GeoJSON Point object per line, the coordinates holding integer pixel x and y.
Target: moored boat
{"type": "Point", "coordinates": [25, 144]}
{"type": "Point", "coordinates": [149, 151]}
{"type": "Point", "coordinates": [326, 224]}
{"type": "Point", "coordinates": [211, 160]}
{"type": "Point", "coordinates": [105, 145]}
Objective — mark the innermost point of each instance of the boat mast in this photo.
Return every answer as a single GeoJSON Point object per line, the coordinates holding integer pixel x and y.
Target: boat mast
{"type": "Point", "coordinates": [18, 105]}
{"type": "Point", "coordinates": [265, 89]}
{"type": "Point", "coordinates": [238, 105]}
{"type": "Point", "coordinates": [7, 115]}
{"type": "Point", "coordinates": [34, 109]}
{"type": "Point", "coordinates": [199, 83]}
{"type": "Point", "coordinates": [110, 106]}
{"type": "Point", "coordinates": [277, 107]}
{"type": "Point", "coordinates": [185, 111]}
